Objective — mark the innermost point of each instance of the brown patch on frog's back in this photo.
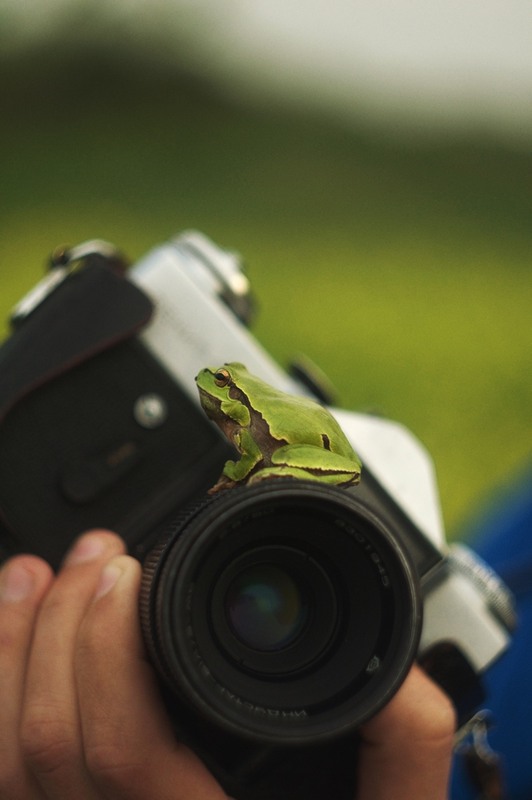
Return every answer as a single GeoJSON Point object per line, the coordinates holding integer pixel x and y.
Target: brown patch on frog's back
{"type": "Point", "coordinates": [262, 435]}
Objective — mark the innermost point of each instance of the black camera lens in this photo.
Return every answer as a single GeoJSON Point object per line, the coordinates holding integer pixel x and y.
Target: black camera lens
{"type": "Point", "coordinates": [265, 607]}
{"type": "Point", "coordinates": [285, 612]}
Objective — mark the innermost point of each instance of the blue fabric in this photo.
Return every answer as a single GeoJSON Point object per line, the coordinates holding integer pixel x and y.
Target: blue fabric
{"type": "Point", "coordinates": [503, 537]}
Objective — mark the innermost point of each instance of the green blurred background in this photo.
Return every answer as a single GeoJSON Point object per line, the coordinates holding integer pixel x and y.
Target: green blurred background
{"type": "Point", "coordinates": [402, 266]}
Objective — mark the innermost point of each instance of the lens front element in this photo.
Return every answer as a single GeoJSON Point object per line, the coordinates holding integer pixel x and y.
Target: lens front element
{"type": "Point", "coordinates": [265, 608]}
{"type": "Point", "coordinates": [272, 610]}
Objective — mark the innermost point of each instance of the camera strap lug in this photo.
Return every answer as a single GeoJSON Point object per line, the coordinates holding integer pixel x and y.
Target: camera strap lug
{"type": "Point", "coordinates": [71, 256]}
{"type": "Point", "coordinates": [63, 261]}
{"type": "Point", "coordinates": [483, 765]}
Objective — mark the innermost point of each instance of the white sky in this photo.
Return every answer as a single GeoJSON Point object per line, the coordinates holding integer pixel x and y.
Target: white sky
{"type": "Point", "coordinates": [438, 63]}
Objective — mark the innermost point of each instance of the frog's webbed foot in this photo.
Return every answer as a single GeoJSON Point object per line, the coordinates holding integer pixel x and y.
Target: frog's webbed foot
{"type": "Point", "coordinates": [222, 483]}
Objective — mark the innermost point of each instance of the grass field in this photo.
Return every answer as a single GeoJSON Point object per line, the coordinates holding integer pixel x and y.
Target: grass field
{"type": "Point", "coordinates": [403, 269]}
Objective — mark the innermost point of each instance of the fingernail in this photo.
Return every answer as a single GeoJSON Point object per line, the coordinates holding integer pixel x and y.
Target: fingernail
{"type": "Point", "coordinates": [87, 548]}
{"type": "Point", "coordinates": [108, 578]}
{"type": "Point", "coordinates": [16, 583]}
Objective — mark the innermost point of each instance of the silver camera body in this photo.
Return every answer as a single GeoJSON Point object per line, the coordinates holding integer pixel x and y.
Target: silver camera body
{"type": "Point", "coordinates": [201, 295]}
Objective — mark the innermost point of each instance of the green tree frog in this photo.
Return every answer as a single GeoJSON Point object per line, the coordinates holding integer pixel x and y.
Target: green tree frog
{"type": "Point", "coordinates": [277, 435]}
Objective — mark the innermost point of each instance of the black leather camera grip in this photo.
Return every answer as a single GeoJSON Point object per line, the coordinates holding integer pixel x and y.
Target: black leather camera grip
{"type": "Point", "coordinates": [93, 309]}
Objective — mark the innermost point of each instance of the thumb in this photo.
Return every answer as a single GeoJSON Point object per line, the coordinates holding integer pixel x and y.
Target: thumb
{"type": "Point", "coordinates": [407, 747]}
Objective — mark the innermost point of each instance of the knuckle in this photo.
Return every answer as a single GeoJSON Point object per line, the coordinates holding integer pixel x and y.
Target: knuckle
{"type": "Point", "coordinates": [48, 743]}
{"type": "Point", "coordinates": [434, 725]}
{"type": "Point", "coordinates": [15, 630]}
{"type": "Point", "coordinates": [92, 636]}
{"type": "Point", "coordinates": [442, 722]}
{"type": "Point", "coordinates": [54, 607]}
{"type": "Point", "coordinates": [112, 768]}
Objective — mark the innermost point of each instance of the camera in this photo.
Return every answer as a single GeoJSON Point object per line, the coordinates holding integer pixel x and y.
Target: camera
{"type": "Point", "coordinates": [280, 616]}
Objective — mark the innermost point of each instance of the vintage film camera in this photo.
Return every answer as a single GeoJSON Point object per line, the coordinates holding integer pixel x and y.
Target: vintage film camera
{"type": "Point", "coordinates": [101, 426]}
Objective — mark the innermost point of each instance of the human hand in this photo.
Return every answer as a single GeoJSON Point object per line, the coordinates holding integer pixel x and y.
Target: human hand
{"type": "Point", "coordinates": [80, 714]}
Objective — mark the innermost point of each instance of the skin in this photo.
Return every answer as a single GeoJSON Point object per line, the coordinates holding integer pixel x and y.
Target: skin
{"type": "Point", "coordinates": [80, 715]}
{"type": "Point", "coordinates": [276, 434]}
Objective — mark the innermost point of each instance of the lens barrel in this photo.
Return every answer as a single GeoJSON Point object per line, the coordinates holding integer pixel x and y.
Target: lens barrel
{"type": "Point", "coordinates": [285, 612]}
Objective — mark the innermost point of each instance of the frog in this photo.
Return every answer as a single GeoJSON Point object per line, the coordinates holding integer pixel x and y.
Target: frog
{"type": "Point", "coordinates": [278, 435]}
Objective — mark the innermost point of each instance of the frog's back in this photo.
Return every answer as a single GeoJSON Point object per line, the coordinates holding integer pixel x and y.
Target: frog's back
{"type": "Point", "coordinates": [300, 420]}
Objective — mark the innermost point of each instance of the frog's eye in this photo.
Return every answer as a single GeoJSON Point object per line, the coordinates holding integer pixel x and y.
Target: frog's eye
{"type": "Point", "coordinates": [221, 377]}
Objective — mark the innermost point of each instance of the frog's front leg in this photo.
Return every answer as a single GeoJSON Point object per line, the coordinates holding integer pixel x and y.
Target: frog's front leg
{"type": "Point", "coordinates": [235, 472]}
